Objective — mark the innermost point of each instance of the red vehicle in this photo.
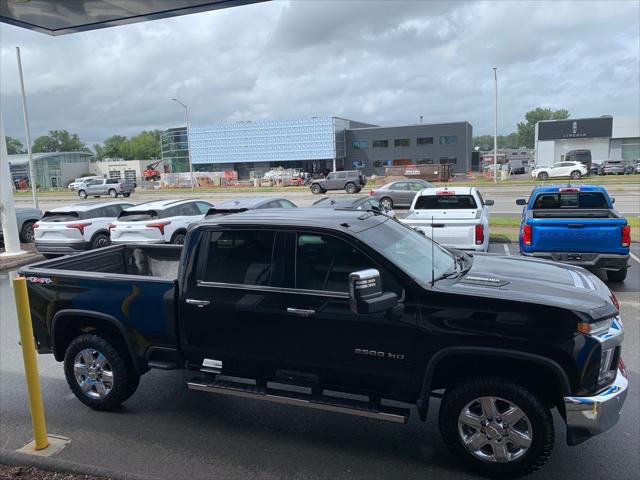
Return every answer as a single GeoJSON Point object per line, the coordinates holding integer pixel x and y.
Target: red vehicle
{"type": "Point", "coordinates": [151, 173]}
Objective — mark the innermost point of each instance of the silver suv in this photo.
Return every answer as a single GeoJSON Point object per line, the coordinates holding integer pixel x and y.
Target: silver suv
{"type": "Point", "coordinates": [351, 181]}
{"type": "Point", "coordinates": [106, 186]}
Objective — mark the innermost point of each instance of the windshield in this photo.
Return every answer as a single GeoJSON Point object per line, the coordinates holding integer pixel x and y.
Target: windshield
{"type": "Point", "coordinates": [410, 251]}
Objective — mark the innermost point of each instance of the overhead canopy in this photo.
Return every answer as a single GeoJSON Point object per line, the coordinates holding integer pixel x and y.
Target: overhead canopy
{"type": "Point", "coordinates": [59, 17]}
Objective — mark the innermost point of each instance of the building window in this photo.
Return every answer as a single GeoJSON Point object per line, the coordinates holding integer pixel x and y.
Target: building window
{"type": "Point", "coordinates": [382, 163]}
{"type": "Point", "coordinates": [380, 143]}
{"type": "Point", "coordinates": [448, 140]}
{"type": "Point", "coordinates": [424, 161]}
{"type": "Point", "coordinates": [402, 142]}
{"type": "Point", "coordinates": [425, 141]}
{"type": "Point", "coordinates": [361, 145]}
{"type": "Point", "coordinates": [445, 160]}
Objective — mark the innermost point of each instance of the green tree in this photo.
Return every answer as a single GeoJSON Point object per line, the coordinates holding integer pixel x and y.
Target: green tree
{"type": "Point", "coordinates": [114, 146]}
{"type": "Point", "coordinates": [143, 146]}
{"type": "Point", "coordinates": [14, 145]}
{"type": "Point", "coordinates": [526, 130]}
{"type": "Point", "coordinates": [59, 141]}
{"type": "Point", "coordinates": [485, 142]}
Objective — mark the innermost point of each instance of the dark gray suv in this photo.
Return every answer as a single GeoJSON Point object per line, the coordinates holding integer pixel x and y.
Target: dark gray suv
{"type": "Point", "coordinates": [351, 181]}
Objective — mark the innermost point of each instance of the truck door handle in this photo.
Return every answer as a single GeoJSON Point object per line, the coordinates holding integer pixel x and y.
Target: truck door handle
{"type": "Point", "coordinates": [198, 303]}
{"type": "Point", "coordinates": [301, 312]}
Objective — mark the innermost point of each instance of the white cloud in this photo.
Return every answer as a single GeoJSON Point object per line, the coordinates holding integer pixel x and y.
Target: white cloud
{"type": "Point", "coordinates": [381, 62]}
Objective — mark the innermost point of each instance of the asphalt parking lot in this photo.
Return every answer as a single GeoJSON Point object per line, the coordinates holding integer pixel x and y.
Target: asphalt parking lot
{"type": "Point", "coordinates": [167, 431]}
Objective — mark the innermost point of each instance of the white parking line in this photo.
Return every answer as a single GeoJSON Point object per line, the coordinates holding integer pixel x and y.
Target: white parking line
{"type": "Point", "coordinates": [506, 249]}
{"type": "Point", "coordinates": [634, 256]}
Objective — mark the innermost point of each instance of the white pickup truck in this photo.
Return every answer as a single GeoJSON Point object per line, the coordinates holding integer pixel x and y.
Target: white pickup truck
{"type": "Point", "coordinates": [455, 217]}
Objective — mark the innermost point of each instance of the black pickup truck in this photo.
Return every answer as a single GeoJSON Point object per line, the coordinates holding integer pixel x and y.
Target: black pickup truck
{"type": "Point", "coordinates": [347, 311]}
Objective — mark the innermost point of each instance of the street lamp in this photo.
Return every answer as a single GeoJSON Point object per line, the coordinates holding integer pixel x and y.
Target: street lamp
{"type": "Point", "coordinates": [186, 112]}
{"type": "Point", "coordinates": [495, 126]}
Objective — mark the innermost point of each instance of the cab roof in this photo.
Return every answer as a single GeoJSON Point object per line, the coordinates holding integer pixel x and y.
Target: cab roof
{"type": "Point", "coordinates": [162, 204]}
{"type": "Point", "coordinates": [86, 206]}
{"type": "Point", "coordinates": [455, 190]}
{"type": "Point", "coordinates": [353, 221]}
{"type": "Point", "coordinates": [556, 188]}
{"type": "Point", "coordinates": [246, 202]}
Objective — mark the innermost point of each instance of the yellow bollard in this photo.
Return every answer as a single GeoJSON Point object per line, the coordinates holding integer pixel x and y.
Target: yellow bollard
{"type": "Point", "coordinates": [30, 363]}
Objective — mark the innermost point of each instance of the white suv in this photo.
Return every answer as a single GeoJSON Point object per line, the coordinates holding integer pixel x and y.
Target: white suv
{"type": "Point", "coordinates": [76, 228]}
{"type": "Point", "coordinates": [574, 170]}
{"type": "Point", "coordinates": [163, 221]}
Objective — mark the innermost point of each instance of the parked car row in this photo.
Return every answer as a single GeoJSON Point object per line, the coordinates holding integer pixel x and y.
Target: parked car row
{"type": "Point", "coordinates": [616, 167]}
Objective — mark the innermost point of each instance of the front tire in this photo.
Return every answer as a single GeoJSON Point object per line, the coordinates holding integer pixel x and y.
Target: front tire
{"type": "Point", "coordinates": [316, 189]}
{"type": "Point", "coordinates": [617, 275]}
{"type": "Point", "coordinates": [575, 175]}
{"type": "Point", "coordinates": [82, 194]}
{"type": "Point", "coordinates": [496, 427]}
{"type": "Point", "coordinates": [99, 374]}
{"type": "Point", "coordinates": [543, 176]}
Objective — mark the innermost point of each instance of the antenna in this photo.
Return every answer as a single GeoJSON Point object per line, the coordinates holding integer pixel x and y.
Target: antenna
{"type": "Point", "coordinates": [433, 270]}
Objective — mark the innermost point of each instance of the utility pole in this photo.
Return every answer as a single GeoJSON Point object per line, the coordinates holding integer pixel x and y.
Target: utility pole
{"type": "Point", "coordinates": [495, 126]}
{"type": "Point", "coordinates": [186, 112]}
{"type": "Point", "coordinates": [32, 172]}
{"type": "Point", "coordinates": [7, 208]}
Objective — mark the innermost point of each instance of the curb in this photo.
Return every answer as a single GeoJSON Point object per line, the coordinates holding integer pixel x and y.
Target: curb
{"type": "Point", "coordinates": [19, 262]}
{"type": "Point", "coordinates": [9, 457]}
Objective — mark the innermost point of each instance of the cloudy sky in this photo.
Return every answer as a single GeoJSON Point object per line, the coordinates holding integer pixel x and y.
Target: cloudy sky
{"type": "Point", "coordinates": [380, 61]}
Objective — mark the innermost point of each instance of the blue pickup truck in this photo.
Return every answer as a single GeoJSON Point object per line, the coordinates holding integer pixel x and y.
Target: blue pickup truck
{"type": "Point", "coordinates": [577, 225]}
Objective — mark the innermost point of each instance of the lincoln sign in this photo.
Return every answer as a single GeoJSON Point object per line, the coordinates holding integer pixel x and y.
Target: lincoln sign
{"type": "Point", "coordinates": [580, 128]}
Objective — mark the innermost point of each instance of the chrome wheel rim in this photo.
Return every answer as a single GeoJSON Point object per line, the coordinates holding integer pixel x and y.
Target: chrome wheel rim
{"type": "Point", "coordinates": [494, 429]}
{"type": "Point", "coordinates": [93, 373]}
{"type": "Point", "coordinates": [28, 233]}
{"type": "Point", "coordinates": [386, 204]}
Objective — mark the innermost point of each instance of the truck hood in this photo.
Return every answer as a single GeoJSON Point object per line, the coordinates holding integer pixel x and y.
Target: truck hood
{"type": "Point", "coordinates": [536, 281]}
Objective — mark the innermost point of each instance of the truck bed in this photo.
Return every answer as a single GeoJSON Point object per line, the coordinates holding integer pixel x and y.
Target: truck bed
{"type": "Point", "coordinates": [159, 261]}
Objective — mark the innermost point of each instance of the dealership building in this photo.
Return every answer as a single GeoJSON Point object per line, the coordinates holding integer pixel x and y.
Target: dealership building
{"type": "Point", "coordinates": [52, 169]}
{"type": "Point", "coordinates": [607, 137]}
{"type": "Point", "coordinates": [315, 144]}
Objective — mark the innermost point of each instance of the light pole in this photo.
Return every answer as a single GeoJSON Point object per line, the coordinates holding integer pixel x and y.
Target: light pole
{"type": "Point", "coordinates": [32, 170]}
{"type": "Point", "coordinates": [495, 126]}
{"type": "Point", "coordinates": [186, 112]}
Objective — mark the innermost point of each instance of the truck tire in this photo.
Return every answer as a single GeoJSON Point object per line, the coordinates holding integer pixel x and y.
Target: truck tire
{"type": "Point", "coordinates": [113, 193]}
{"type": "Point", "coordinates": [576, 175]}
{"type": "Point", "coordinates": [82, 193]}
{"type": "Point", "coordinates": [617, 275]}
{"type": "Point", "coordinates": [350, 188]}
{"type": "Point", "coordinates": [472, 421]}
{"type": "Point", "coordinates": [126, 195]}
{"type": "Point", "coordinates": [99, 374]}
{"type": "Point", "coordinates": [543, 176]}
{"type": "Point", "coordinates": [316, 189]}
{"type": "Point", "coordinates": [26, 232]}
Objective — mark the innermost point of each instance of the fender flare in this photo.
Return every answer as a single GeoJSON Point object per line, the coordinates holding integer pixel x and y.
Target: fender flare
{"type": "Point", "coordinates": [423, 400]}
{"type": "Point", "coordinates": [140, 368]}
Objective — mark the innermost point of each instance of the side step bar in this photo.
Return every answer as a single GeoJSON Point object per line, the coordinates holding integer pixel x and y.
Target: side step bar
{"type": "Point", "coordinates": [289, 397]}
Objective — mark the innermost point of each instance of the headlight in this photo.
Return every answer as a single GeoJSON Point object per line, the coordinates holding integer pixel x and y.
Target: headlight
{"type": "Point", "coordinates": [606, 374]}
{"type": "Point", "coordinates": [595, 328]}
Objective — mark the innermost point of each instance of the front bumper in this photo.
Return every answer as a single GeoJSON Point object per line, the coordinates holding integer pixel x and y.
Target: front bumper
{"type": "Point", "coordinates": [589, 416]}
{"type": "Point", "coordinates": [62, 248]}
{"type": "Point", "coordinates": [606, 261]}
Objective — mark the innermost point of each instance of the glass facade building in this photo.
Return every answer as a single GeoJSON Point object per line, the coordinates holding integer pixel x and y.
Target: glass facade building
{"type": "Point", "coordinates": [53, 169]}
{"type": "Point", "coordinates": [175, 149]}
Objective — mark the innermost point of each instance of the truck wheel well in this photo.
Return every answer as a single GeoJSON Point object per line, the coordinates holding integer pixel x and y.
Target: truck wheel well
{"type": "Point", "coordinates": [540, 379]}
{"type": "Point", "coordinates": [68, 327]}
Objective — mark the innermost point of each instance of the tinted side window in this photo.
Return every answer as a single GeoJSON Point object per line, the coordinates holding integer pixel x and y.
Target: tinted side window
{"type": "Point", "coordinates": [190, 209]}
{"type": "Point", "coordinates": [112, 211]}
{"type": "Point", "coordinates": [324, 262]}
{"type": "Point", "coordinates": [286, 204]}
{"type": "Point", "coordinates": [414, 186]}
{"type": "Point", "coordinates": [342, 175]}
{"type": "Point", "coordinates": [203, 207]}
{"type": "Point", "coordinates": [113, 180]}
{"type": "Point", "coordinates": [240, 257]}
{"type": "Point", "coordinates": [400, 186]}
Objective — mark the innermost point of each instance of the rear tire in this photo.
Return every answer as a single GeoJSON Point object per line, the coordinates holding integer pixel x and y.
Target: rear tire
{"type": "Point", "coordinates": [350, 188]}
{"type": "Point", "coordinates": [100, 240]}
{"type": "Point", "coordinates": [575, 175]}
{"type": "Point", "coordinates": [543, 176]}
{"type": "Point", "coordinates": [126, 195]}
{"type": "Point", "coordinates": [386, 203]}
{"type": "Point", "coordinates": [617, 275]}
{"type": "Point", "coordinates": [26, 232]}
{"type": "Point", "coordinates": [113, 193]}
{"type": "Point", "coordinates": [178, 238]}
{"type": "Point", "coordinates": [529, 438]}
{"type": "Point", "coordinates": [82, 194]}
{"type": "Point", "coordinates": [99, 374]}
